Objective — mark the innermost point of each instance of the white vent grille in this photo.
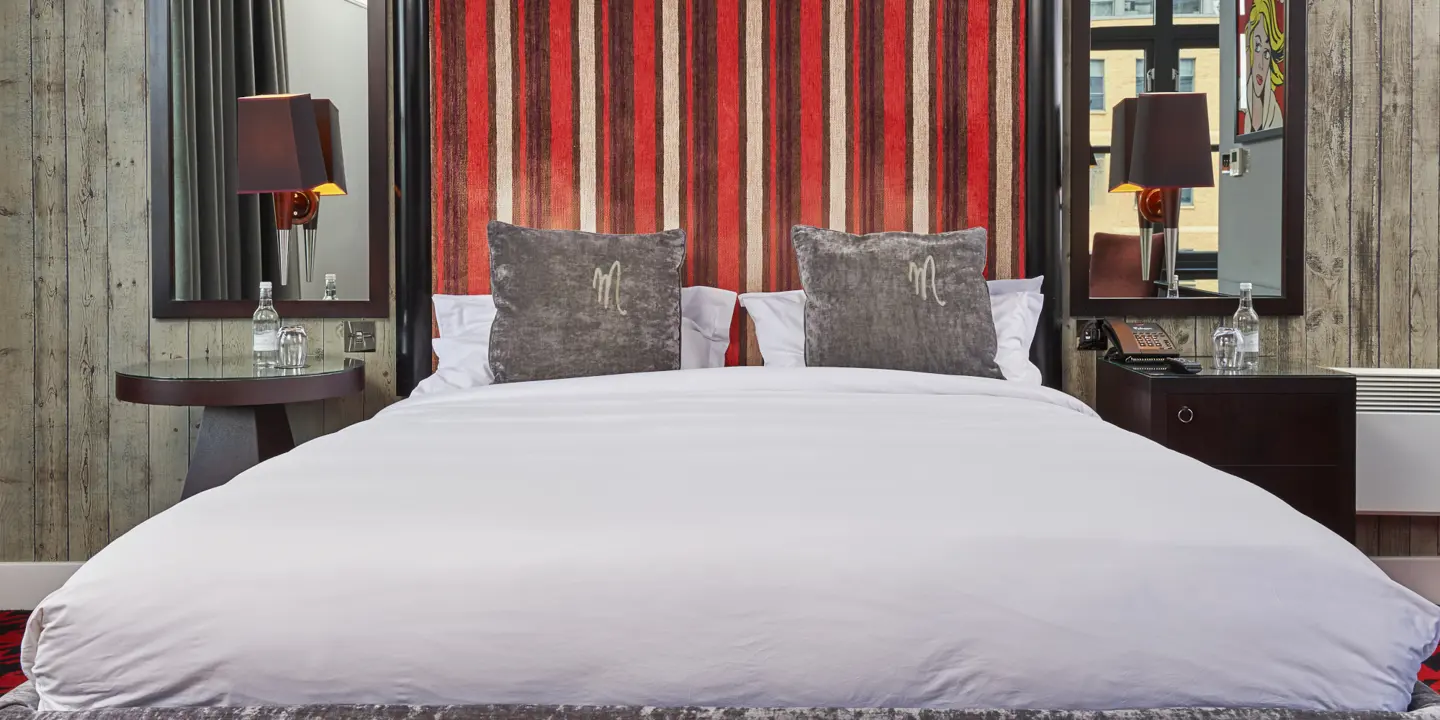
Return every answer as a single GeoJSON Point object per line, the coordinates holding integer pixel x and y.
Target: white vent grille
{"type": "Point", "coordinates": [1395, 390]}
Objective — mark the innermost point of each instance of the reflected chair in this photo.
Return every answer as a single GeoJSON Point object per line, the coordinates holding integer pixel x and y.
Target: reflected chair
{"type": "Point", "coordinates": [1115, 270]}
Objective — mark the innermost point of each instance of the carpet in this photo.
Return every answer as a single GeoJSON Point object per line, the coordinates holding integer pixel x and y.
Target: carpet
{"type": "Point", "coordinates": [12, 628]}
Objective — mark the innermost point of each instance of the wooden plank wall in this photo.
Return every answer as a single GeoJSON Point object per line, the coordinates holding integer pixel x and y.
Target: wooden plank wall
{"type": "Point", "coordinates": [1372, 215]}
{"type": "Point", "coordinates": [78, 468]}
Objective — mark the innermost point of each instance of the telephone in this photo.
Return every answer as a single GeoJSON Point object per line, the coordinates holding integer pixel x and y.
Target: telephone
{"type": "Point", "coordinates": [1141, 342]}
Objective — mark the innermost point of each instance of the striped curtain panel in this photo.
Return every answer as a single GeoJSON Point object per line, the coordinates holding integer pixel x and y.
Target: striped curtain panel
{"type": "Point", "coordinates": [732, 119]}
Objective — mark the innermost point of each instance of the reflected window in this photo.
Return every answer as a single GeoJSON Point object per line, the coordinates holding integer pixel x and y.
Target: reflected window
{"type": "Point", "coordinates": [1186, 82]}
{"type": "Point", "coordinates": [1197, 7]}
{"type": "Point", "coordinates": [1187, 197]}
{"type": "Point", "coordinates": [1097, 86]}
{"type": "Point", "coordinates": [1139, 76]}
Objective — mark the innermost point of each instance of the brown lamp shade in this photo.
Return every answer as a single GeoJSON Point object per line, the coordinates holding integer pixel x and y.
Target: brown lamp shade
{"type": "Point", "coordinates": [1122, 138]}
{"type": "Point", "coordinates": [1172, 142]}
{"type": "Point", "coordinates": [278, 144]}
{"type": "Point", "coordinates": [327, 118]}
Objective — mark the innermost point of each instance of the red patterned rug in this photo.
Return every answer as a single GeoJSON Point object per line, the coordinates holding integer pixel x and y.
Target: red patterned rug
{"type": "Point", "coordinates": [12, 627]}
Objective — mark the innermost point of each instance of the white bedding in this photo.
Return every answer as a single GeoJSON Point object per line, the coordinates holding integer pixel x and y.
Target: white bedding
{"type": "Point", "coordinates": [740, 536]}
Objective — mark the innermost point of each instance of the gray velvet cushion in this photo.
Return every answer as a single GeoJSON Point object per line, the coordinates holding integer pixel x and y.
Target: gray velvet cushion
{"type": "Point", "coordinates": [577, 304]}
{"type": "Point", "coordinates": [897, 301]}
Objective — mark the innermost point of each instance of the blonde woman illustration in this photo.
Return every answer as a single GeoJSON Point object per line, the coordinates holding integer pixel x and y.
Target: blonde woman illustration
{"type": "Point", "coordinates": [1266, 38]}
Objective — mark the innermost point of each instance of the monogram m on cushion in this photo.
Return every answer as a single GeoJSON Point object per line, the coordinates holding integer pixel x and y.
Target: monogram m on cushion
{"type": "Point", "coordinates": [897, 301]}
{"type": "Point", "coordinates": [616, 296]}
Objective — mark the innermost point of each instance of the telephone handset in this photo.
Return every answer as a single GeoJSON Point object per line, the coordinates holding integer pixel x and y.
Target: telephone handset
{"type": "Point", "coordinates": [1141, 342]}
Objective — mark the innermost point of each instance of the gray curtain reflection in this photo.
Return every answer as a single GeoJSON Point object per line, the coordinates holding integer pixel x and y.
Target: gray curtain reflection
{"type": "Point", "coordinates": [220, 50]}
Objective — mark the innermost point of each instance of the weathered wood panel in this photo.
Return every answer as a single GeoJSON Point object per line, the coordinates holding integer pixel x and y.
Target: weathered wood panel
{"type": "Point", "coordinates": [1364, 186]}
{"type": "Point", "coordinates": [52, 337]}
{"type": "Point", "coordinates": [127, 228]}
{"type": "Point", "coordinates": [1424, 277]}
{"type": "Point", "coordinates": [17, 289]}
{"type": "Point", "coordinates": [1396, 120]}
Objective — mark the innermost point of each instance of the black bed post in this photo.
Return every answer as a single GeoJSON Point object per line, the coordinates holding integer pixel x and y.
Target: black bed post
{"type": "Point", "coordinates": [411, 47]}
{"type": "Point", "coordinates": [1042, 158]}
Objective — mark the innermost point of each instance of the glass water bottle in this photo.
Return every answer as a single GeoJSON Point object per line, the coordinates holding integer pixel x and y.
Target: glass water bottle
{"type": "Point", "coordinates": [1248, 323]}
{"type": "Point", "coordinates": [266, 325]}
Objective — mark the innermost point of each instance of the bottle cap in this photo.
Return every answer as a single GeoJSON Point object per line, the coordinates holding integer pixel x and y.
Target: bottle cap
{"type": "Point", "coordinates": [1246, 286]}
{"type": "Point", "coordinates": [265, 285]}
{"type": "Point", "coordinates": [329, 277]}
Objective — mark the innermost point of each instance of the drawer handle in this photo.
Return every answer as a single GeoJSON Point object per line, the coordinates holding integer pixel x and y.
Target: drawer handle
{"type": "Point", "coordinates": [1185, 415]}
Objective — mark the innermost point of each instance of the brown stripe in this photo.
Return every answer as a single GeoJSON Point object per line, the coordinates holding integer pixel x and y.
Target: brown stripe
{"type": "Point", "coordinates": [687, 69]}
{"type": "Point", "coordinates": [824, 118]}
{"type": "Point", "coordinates": [768, 221]}
{"type": "Point", "coordinates": [935, 149]}
{"type": "Point", "coordinates": [520, 210]}
{"type": "Point", "coordinates": [909, 115]}
{"type": "Point", "coordinates": [956, 91]}
{"type": "Point", "coordinates": [622, 116]}
{"type": "Point", "coordinates": [455, 161]}
{"type": "Point", "coordinates": [874, 88]}
{"type": "Point", "coordinates": [602, 120]}
{"type": "Point", "coordinates": [796, 176]}
{"type": "Point", "coordinates": [705, 131]}
{"type": "Point", "coordinates": [537, 93]}
{"type": "Point", "coordinates": [490, 33]}
{"type": "Point", "coordinates": [661, 7]}
{"type": "Point", "coordinates": [574, 218]}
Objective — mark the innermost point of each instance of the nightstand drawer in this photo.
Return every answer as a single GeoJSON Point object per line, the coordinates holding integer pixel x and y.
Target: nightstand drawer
{"type": "Point", "coordinates": [1256, 428]}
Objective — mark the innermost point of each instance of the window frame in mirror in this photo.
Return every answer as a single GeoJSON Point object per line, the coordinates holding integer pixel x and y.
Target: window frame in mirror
{"type": "Point", "coordinates": [1291, 300]}
{"type": "Point", "coordinates": [162, 281]}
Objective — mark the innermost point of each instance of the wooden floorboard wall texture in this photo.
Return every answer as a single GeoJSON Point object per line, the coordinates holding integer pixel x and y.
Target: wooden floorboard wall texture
{"type": "Point", "coordinates": [78, 468]}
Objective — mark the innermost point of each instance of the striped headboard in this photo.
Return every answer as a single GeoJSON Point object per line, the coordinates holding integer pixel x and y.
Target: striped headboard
{"type": "Point", "coordinates": [732, 119]}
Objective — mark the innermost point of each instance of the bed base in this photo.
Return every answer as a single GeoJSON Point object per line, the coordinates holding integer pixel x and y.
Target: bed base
{"type": "Point", "coordinates": [20, 704]}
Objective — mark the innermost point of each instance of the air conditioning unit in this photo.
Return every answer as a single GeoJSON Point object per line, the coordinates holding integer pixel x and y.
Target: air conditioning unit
{"type": "Point", "coordinates": [1397, 440]}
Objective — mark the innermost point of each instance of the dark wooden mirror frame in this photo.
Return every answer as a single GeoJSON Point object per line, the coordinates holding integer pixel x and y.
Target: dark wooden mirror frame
{"type": "Point", "coordinates": [162, 286]}
{"type": "Point", "coordinates": [1292, 241]}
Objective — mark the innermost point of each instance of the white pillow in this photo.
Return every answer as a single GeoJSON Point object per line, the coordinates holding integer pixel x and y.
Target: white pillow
{"type": "Point", "coordinates": [1015, 305]}
{"type": "Point", "coordinates": [463, 348]}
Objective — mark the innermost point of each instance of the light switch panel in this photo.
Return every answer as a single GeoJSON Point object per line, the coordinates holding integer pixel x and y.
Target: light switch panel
{"type": "Point", "coordinates": [359, 336]}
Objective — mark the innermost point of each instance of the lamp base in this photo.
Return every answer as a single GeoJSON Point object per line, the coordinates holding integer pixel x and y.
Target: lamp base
{"type": "Point", "coordinates": [1170, 217]}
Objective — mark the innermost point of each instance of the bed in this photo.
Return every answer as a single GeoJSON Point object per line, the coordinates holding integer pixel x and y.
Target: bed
{"type": "Point", "coordinates": [736, 537]}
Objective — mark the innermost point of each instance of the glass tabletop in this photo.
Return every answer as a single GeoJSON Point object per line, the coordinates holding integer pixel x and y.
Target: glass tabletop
{"type": "Point", "coordinates": [1265, 367]}
{"type": "Point", "coordinates": [236, 368]}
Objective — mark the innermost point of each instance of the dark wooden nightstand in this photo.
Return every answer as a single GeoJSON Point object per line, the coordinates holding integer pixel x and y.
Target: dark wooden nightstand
{"type": "Point", "coordinates": [1289, 429]}
{"type": "Point", "coordinates": [244, 422]}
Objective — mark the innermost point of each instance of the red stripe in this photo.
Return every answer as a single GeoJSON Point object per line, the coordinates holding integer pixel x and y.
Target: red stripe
{"type": "Point", "coordinates": [897, 134]}
{"type": "Point", "coordinates": [562, 138]}
{"type": "Point", "coordinates": [812, 107]}
{"type": "Point", "coordinates": [1020, 156]}
{"type": "Point", "coordinates": [477, 58]}
{"type": "Point", "coordinates": [977, 111]}
{"type": "Point", "coordinates": [937, 132]}
{"type": "Point", "coordinates": [645, 116]}
{"type": "Point", "coordinates": [727, 150]}
{"type": "Point", "coordinates": [602, 219]}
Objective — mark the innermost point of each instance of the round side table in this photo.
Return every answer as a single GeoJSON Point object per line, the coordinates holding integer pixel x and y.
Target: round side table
{"type": "Point", "coordinates": [244, 421]}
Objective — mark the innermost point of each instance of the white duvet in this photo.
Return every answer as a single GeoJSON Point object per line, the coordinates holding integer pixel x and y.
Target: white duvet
{"type": "Point", "coordinates": [743, 537]}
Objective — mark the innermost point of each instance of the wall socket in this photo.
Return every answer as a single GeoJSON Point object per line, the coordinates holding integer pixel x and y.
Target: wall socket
{"type": "Point", "coordinates": [359, 336]}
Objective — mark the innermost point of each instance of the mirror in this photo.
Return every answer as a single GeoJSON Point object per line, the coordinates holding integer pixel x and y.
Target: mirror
{"type": "Point", "coordinates": [217, 234]}
{"type": "Point", "coordinates": [1243, 57]}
